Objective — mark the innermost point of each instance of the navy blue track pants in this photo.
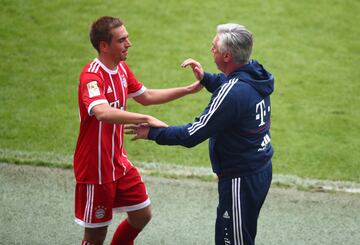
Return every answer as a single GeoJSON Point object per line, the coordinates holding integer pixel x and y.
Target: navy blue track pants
{"type": "Point", "coordinates": [240, 201]}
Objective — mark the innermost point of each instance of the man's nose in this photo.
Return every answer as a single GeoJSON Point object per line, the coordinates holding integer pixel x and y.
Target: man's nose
{"type": "Point", "coordinates": [129, 44]}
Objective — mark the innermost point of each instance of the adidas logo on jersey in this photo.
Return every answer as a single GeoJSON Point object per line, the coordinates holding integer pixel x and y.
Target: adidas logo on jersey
{"type": "Point", "coordinates": [226, 215]}
{"type": "Point", "coordinates": [109, 90]}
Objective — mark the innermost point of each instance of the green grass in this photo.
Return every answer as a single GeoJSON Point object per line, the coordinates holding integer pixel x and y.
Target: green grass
{"type": "Point", "coordinates": [312, 48]}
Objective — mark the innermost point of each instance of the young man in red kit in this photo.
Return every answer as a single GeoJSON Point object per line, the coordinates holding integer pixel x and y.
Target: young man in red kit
{"type": "Point", "coordinates": [105, 179]}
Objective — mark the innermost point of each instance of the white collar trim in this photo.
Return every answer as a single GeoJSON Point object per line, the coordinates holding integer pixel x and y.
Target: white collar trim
{"type": "Point", "coordinates": [105, 67]}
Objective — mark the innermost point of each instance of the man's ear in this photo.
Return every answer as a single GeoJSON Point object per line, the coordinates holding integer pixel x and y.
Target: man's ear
{"type": "Point", "coordinates": [227, 56]}
{"type": "Point", "coordinates": [103, 46]}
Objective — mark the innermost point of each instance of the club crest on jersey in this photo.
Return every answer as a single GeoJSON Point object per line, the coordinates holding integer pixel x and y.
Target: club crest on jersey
{"type": "Point", "coordinates": [123, 81]}
{"type": "Point", "coordinates": [93, 89]}
{"type": "Point", "coordinates": [109, 90]}
{"type": "Point", "coordinates": [100, 212]}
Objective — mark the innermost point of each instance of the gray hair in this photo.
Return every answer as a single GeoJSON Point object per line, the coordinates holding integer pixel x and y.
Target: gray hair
{"type": "Point", "coordinates": [237, 40]}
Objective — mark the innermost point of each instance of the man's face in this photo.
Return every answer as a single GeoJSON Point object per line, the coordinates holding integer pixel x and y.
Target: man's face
{"type": "Point", "coordinates": [118, 47]}
{"type": "Point", "coordinates": [218, 57]}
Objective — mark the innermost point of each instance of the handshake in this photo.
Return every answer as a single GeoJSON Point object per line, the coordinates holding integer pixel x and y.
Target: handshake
{"type": "Point", "coordinates": [139, 131]}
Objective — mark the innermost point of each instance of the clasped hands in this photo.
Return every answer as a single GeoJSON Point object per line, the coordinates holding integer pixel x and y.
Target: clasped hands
{"type": "Point", "coordinates": [139, 131]}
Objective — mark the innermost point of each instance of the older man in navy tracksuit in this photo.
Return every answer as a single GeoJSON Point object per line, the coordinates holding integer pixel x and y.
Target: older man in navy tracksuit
{"type": "Point", "coordinates": [237, 123]}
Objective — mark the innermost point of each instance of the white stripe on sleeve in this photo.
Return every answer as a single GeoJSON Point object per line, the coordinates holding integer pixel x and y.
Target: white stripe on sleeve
{"type": "Point", "coordinates": [213, 107]}
{"type": "Point", "coordinates": [94, 103]}
{"type": "Point", "coordinates": [137, 93]}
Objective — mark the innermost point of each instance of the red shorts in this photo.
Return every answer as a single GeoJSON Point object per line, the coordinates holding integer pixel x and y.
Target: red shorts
{"type": "Point", "coordinates": [94, 204]}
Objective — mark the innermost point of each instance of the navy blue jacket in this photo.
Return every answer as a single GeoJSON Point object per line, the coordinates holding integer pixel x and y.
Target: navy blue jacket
{"type": "Point", "coordinates": [237, 121]}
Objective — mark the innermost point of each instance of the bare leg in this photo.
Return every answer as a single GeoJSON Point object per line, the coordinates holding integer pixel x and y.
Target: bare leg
{"type": "Point", "coordinates": [139, 218]}
{"type": "Point", "coordinates": [95, 235]}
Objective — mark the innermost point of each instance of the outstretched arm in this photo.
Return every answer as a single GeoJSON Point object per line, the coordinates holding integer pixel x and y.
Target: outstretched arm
{"type": "Point", "coordinates": [217, 116]}
{"type": "Point", "coordinates": [160, 96]}
{"type": "Point", "coordinates": [106, 113]}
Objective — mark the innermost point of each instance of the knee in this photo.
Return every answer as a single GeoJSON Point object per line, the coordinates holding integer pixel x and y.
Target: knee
{"type": "Point", "coordinates": [145, 217]}
{"type": "Point", "coordinates": [144, 221]}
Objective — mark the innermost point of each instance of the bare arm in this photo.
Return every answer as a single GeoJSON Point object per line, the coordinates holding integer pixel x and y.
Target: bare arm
{"type": "Point", "coordinates": [160, 96]}
{"type": "Point", "coordinates": [106, 113]}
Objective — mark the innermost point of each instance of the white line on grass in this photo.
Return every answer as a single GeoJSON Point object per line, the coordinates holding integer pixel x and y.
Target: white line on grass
{"type": "Point", "coordinates": [278, 179]}
{"type": "Point", "coordinates": [177, 171]}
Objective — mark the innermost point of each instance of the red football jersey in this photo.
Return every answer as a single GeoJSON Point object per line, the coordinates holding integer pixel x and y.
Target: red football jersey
{"type": "Point", "coordinates": [100, 156]}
